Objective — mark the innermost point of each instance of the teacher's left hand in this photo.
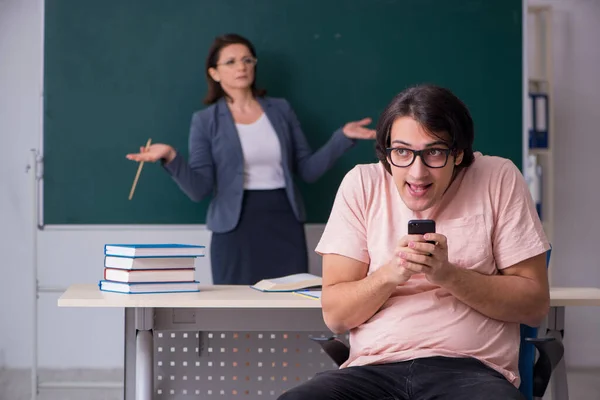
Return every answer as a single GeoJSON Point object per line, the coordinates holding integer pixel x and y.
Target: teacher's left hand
{"type": "Point", "coordinates": [358, 129]}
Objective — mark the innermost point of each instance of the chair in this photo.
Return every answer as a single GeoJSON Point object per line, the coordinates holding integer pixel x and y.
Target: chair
{"type": "Point", "coordinates": [535, 374]}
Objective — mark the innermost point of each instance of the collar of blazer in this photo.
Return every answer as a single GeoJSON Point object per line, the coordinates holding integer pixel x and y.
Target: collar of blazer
{"type": "Point", "coordinates": [223, 110]}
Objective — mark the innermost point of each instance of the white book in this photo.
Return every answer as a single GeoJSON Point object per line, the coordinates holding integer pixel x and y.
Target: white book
{"type": "Point", "coordinates": [156, 287]}
{"type": "Point", "coordinates": [289, 283]}
{"type": "Point", "coordinates": [154, 250]}
{"type": "Point", "coordinates": [149, 262]}
{"type": "Point", "coordinates": [156, 275]}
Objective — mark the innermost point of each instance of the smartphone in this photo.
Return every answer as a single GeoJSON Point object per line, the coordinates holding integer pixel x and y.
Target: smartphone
{"type": "Point", "coordinates": [421, 227]}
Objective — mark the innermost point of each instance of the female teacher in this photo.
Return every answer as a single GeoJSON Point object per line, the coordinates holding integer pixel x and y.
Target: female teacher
{"type": "Point", "coordinates": [244, 150]}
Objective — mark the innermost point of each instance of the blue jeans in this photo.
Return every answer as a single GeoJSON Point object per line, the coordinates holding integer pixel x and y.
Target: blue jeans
{"type": "Point", "coordinates": [439, 378]}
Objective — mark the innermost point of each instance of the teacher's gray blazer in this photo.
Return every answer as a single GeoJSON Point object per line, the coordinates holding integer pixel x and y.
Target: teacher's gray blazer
{"type": "Point", "coordinates": [216, 164]}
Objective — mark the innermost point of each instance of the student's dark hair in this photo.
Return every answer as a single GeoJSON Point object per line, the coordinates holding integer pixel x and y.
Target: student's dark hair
{"type": "Point", "coordinates": [215, 91]}
{"type": "Point", "coordinates": [436, 109]}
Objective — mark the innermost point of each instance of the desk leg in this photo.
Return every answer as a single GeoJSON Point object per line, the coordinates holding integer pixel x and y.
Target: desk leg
{"type": "Point", "coordinates": [129, 355]}
{"type": "Point", "coordinates": [144, 351]}
{"type": "Point", "coordinates": [556, 329]}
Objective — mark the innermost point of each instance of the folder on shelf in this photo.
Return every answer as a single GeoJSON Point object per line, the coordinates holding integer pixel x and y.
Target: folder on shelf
{"type": "Point", "coordinates": [541, 119]}
{"type": "Point", "coordinates": [538, 134]}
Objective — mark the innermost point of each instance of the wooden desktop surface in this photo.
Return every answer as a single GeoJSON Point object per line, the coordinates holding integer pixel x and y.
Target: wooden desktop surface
{"type": "Point", "coordinates": [224, 296]}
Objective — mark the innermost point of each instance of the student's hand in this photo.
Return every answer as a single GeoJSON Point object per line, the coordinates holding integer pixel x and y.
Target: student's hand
{"type": "Point", "coordinates": [154, 153]}
{"type": "Point", "coordinates": [396, 269]}
{"type": "Point", "coordinates": [418, 256]}
{"type": "Point", "coordinates": [358, 130]}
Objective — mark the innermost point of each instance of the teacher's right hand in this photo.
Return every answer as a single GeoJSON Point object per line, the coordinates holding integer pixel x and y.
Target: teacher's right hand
{"type": "Point", "coordinates": [154, 153]}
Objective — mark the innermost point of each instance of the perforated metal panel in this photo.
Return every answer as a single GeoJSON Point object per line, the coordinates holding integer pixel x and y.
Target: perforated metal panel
{"type": "Point", "coordinates": [229, 365]}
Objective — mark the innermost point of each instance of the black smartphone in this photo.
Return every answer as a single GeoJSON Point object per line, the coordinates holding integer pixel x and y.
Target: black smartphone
{"type": "Point", "coordinates": [421, 227]}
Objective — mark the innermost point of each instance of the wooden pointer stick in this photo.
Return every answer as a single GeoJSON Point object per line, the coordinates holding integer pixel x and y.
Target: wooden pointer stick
{"type": "Point", "coordinates": [137, 176]}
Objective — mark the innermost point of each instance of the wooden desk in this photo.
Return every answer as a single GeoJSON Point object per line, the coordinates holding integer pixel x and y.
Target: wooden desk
{"type": "Point", "coordinates": [88, 295]}
{"type": "Point", "coordinates": [574, 296]}
{"type": "Point", "coordinates": [214, 308]}
{"type": "Point", "coordinates": [231, 308]}
{"type": "Point", "coordinates": [560, 298]}
{"type": "Point", "coordinates": [222, 296]}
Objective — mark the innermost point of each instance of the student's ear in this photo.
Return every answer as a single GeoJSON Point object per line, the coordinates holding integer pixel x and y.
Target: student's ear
{"type": "Point", "coordinates": [458, 158]}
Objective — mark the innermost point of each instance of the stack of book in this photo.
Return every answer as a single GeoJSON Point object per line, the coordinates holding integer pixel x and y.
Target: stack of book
{"type": "Point", "coordinates": [150, 268]}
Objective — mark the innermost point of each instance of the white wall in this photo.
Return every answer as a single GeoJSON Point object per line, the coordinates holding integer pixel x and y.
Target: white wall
{"type": "Point", "coordinates": [20, 66]}
{"type": "Point", "coordinates": [576, 139]}
{"type": "Point", "coordinates": [576, 100]}
{"type": "Point", "coordinates": [69, 256]}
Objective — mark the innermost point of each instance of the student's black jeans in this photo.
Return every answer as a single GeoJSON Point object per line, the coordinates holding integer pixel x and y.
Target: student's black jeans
{"type": "Point", "coordinates": [438, 378]}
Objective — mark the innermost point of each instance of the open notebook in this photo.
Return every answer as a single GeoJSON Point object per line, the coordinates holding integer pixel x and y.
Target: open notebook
{"type": "Point", "coordinates": [289, 283]}
{"type": "Point", "coordinates": [310, 293]}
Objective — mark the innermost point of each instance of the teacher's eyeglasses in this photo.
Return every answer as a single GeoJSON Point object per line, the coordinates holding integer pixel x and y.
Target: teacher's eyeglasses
{"type": "Point", "coordinates": [247, 61]}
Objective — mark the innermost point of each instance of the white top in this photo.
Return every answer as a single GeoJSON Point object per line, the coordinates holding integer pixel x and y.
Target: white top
{"type": "Point", "coordinates": [262, 155]}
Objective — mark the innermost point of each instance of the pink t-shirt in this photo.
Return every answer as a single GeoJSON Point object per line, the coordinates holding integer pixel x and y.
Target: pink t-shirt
{"type": "Point", "coordinates": [491, 223]}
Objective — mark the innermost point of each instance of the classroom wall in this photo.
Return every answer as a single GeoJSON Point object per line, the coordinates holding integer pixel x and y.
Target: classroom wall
{"type": "Point", "coordinates": [577, 140]}
{"type": "Point", "coordinates": [67, 255]}
{"type": "Point", "coordinates": [20, 63]}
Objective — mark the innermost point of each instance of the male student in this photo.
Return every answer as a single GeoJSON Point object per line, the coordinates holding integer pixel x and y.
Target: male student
{"type": "Point", "coordinates": [435, 320]}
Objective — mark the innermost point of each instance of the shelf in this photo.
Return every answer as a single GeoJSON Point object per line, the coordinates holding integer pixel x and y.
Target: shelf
{"type": "Point", "coordinates": [538, 79]}
{"type": "Point", "coordinates": [540, 152]}
{"type": "Point", "coordinates": [535, 9]}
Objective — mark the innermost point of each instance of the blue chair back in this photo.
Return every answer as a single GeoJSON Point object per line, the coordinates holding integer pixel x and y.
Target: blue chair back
{"type": "Point", "coordinates": [527, 353]}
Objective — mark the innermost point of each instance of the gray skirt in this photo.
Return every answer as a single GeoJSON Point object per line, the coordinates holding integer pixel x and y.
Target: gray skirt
{"type": "Point", "coordinates": [268, 242]}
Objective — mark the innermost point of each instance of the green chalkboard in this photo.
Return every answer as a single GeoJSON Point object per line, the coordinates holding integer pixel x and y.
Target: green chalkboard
{"type": "Point", "coordinates": [118, 72]}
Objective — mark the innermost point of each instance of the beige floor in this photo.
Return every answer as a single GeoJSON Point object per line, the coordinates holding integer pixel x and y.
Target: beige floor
{"type": "Point", "coordinates": [15, 384]}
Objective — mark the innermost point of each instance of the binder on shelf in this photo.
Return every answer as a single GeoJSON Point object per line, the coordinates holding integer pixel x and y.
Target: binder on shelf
{"type": "Point", "coordinates": [538, 112]}
{"type": "Point", "coordinates": [529, 118]}
{"type": "Point", "coordinates": [533, 177]}
{"type": "Point", "coordinates": [541, 119]}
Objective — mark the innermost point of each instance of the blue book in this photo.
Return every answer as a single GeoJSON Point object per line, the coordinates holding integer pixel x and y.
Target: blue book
{"type": "Point", "coordinates": [148, 287]}
{"type": "Point", "coordinates": [154, 250]}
